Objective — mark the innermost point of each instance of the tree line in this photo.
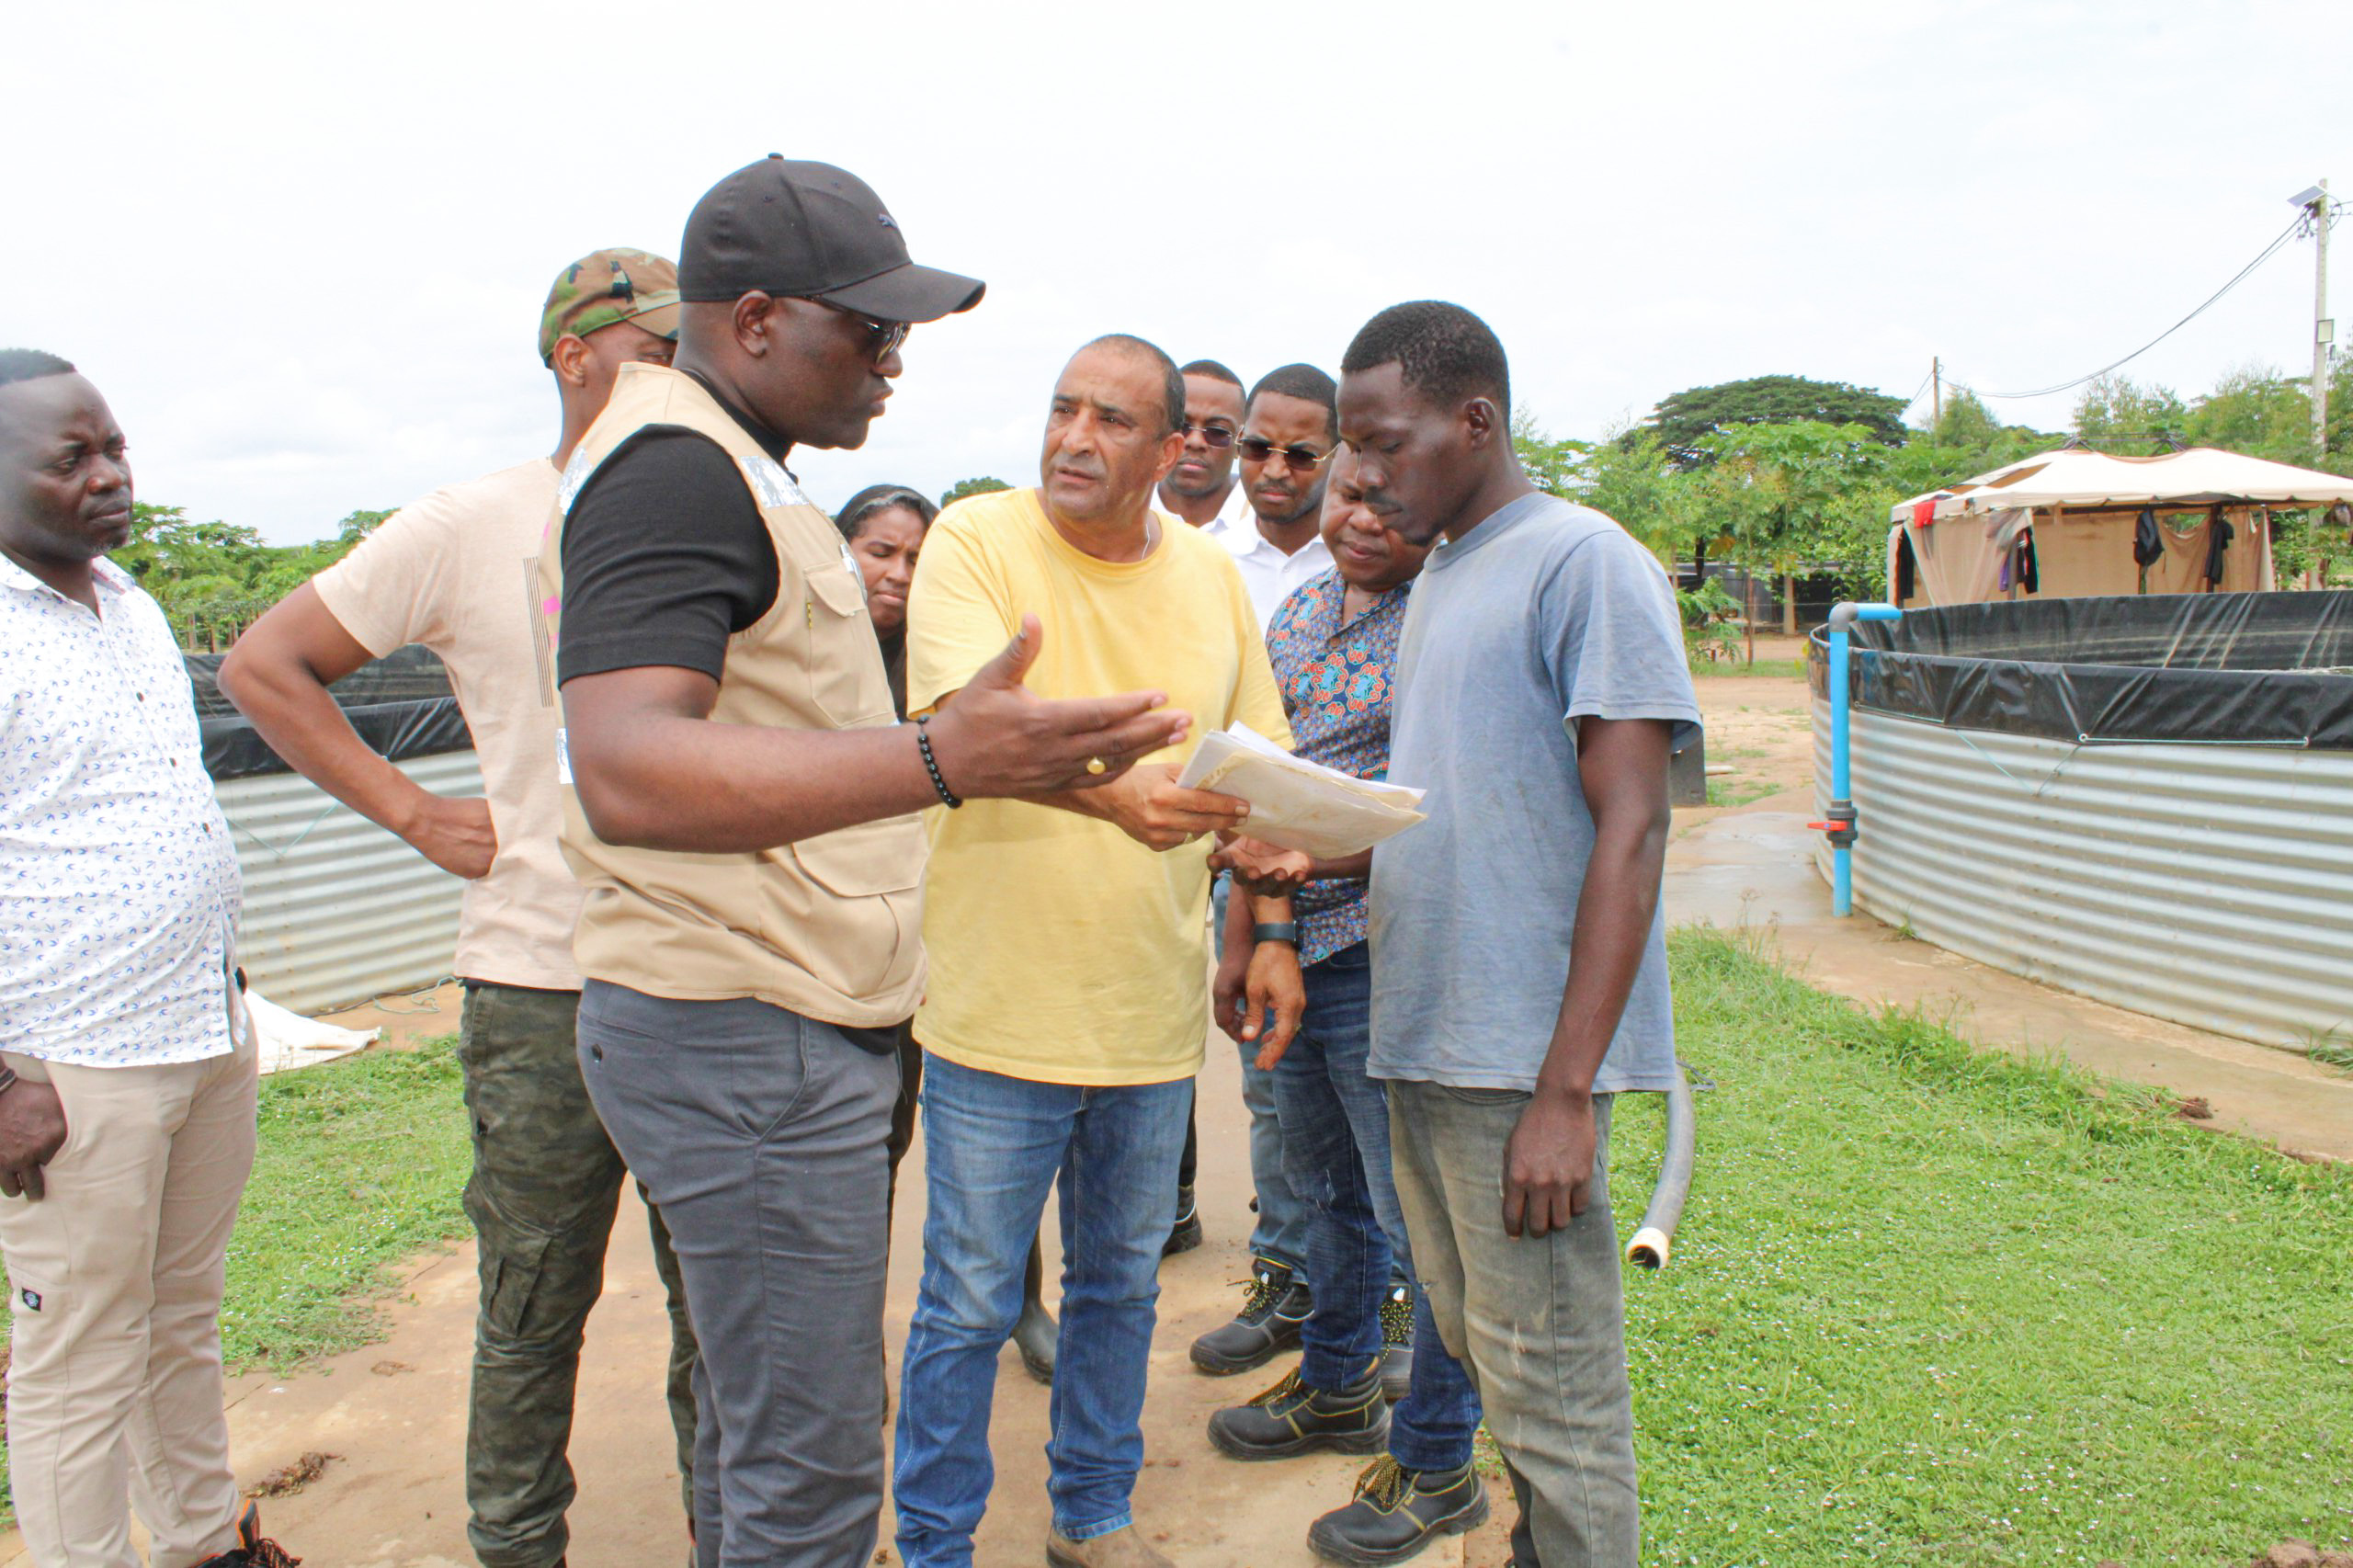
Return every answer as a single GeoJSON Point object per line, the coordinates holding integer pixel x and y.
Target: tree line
{"type": "Point", "coordinates": [1778, 475]}
{"type": "Point", "coordinates": [1784, 475]}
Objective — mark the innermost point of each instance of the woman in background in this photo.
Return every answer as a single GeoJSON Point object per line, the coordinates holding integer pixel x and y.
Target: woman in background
{"type": "Point", "coordinates": [884, 525]}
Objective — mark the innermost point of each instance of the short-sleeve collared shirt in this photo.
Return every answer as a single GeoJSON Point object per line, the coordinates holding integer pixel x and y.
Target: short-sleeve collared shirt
{"type": "Point", "coordinates": [119, 885]}
{"type": "Point", "coordinates": [1335, 678]}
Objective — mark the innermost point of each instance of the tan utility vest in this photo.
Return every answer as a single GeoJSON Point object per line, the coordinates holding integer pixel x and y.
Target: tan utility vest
{"type": "Point", "coordinates": [831, 927]}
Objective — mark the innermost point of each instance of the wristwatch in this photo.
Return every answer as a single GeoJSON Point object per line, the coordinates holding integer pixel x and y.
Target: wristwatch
{"type": "Point", "coordinates": [1276, 931]}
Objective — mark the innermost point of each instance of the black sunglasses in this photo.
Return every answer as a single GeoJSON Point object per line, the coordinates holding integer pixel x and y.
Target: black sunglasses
{"type": "Point", "coordinates": [1218, 436]}
{"type": "Point", "coordinates": [1302, 459]}
{"type": "Point", "coordinates": [888, 335]}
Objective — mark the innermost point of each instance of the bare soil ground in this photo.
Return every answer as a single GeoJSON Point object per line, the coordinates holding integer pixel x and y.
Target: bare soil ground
{"type": "Point", "coordinates": [376, 1435]}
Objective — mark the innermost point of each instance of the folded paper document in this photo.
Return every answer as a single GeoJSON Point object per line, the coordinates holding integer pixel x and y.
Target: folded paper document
{"type": "Point", "coordinates": [1298, 804]}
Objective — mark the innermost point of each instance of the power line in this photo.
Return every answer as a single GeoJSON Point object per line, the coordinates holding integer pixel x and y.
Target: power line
{"type": "Point", "coordinates": [2240, 277]}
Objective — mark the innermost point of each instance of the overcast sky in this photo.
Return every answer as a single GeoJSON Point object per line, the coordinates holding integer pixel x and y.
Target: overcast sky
{"type": "Point", "coordinates": [302, 248]}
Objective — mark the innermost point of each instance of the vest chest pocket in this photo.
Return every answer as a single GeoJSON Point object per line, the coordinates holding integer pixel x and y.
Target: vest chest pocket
{"type": "Point", "coordinates": [846, 681]}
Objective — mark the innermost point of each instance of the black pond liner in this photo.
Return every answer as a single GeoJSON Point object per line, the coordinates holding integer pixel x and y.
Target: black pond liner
{"type": "Point", "coordinates": [400, 705]}
{"type": "Point", "coordinates": [2230, 670]}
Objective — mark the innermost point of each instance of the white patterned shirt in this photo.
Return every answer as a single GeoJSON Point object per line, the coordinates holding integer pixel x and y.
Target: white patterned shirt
{"type": "Point", "coordinates": [119, 890]}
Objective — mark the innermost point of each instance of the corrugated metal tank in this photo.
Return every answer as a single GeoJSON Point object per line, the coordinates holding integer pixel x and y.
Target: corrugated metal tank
{"type": "Point", "coordinates": [2209, 884]}
{"type": "Point", "coordinates": [338, 910]}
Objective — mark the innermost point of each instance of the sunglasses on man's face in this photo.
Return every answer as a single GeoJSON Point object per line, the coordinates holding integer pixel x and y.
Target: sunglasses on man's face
{"type": "Point", "coordinates": [1304, 459]}
{"type": "Point", "coordinates": [1218, 436]}
{"type": "Point", "coordinates": [887, 336]}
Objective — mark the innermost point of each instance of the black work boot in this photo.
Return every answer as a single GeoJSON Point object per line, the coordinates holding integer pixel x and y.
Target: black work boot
{"type": "Point", "coordinates": [1396, 1512]}
{"type": "Point", "coordinates": [253, 1548]}
{"type": "Point", "coordinates": [1278, 1303]}
{"type": "Point", "coordinates": [1293, 1418]}
{"type": "Point", "coordinates": [1396, 1343]}
{"type": "Point", "coordinates": [1186, 1234]}
{"type": "Point", "coordinates": [1035, 1333]}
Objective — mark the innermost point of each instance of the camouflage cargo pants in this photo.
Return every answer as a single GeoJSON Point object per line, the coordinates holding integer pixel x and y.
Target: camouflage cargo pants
{"type": "Point", "coordinates": [545, 1184]}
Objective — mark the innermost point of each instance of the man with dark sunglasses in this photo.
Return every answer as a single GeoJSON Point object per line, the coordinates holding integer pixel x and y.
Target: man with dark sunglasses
{"type": "Point", "coordinates": [1289, 432]}
{"type": "Point", "coordinates": [741, 804]}
{"type": "Point", "coordinates": [1201, 489]}
{"type": "Point", "coordinates": [442, 572]}
{"type": "Point", "coordinates": [1285, 447]}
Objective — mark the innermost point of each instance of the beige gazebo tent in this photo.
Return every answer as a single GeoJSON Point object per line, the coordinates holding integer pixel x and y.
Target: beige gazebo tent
{"type": "Point", "coordinates": [2072, 515]}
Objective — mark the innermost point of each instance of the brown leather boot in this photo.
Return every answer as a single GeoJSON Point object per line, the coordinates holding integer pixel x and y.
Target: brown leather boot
{"type": "Point", "coordinates": [1122, 1548]}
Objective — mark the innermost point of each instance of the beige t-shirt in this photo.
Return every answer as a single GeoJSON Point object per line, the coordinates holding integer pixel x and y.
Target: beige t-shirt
{"type": "Point", "coordinates": [455, 572]}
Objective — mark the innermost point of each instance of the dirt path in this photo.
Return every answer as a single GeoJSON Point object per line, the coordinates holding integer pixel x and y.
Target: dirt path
{"type": "Point", "coordinates": [395, 1414]}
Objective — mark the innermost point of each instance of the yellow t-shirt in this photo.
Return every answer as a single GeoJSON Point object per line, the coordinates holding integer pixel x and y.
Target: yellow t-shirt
{"type": "Point", "coordinates": [1062, 950]}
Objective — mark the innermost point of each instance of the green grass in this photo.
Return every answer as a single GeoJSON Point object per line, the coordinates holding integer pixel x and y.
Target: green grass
{"type": "Point", "coordinates": [2330, 1048]}
{"type": "Point", "coordinates": [1733, 790]}
{"type": "Point", "coordinates": [360, 1167]}
{"type": "Point", "coordinates": [1776, 669]}
{"type": "Point", "coordinates": [1932, 1305]}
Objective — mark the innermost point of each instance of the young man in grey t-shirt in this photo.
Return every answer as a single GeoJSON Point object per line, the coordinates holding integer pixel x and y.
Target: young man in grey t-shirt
{"type": "Point", "coordinates": [1519, 962]}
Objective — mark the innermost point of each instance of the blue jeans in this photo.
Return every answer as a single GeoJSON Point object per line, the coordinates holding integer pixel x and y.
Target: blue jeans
{"type": "Point", "coordinates": [991, 1147]}
{"type": "Point", "coordinates": [1336, 1144]}
{"type": "Point", "coordinates": [1280, 1234]}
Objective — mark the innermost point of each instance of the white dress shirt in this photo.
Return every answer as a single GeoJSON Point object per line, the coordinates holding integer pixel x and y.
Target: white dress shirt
{"type": "Point", "coordinates": [119, 889]}
{"type": "Point", "coordinates": [1267, 572]}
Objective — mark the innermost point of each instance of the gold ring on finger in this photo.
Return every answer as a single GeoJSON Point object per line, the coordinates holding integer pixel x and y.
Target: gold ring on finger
{"type": "Point", "coordinates": [1096, 764]}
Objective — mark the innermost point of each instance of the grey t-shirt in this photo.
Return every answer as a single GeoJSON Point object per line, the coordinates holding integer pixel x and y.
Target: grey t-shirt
{"type": "Point", "coordinates": [1545, 613]}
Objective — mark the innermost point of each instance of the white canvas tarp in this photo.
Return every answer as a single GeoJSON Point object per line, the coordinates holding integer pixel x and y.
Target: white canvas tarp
{"type": "Point", "coordinates": [1960, 559]}
{"type": "Point", "coordinates": [2082, 508]}
{"type": "Point", "coordinates": [2077, 478]}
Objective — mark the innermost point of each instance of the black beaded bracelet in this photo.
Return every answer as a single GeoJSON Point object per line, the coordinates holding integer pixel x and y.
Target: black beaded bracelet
{"type": "Point", "coordinates": [931, 764]}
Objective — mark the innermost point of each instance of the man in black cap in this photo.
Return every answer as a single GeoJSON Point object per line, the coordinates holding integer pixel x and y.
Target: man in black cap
{"type": "Point", "coordinates": [740, 806]}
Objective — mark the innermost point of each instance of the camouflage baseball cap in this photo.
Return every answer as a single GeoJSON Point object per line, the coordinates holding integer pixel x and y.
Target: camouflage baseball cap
{"type": "Point", "coordinates": [611, 286]}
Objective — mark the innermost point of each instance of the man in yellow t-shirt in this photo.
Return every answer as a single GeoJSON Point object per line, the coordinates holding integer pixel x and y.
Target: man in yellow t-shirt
{"type": "Point", "coordinates": [1067, 1006]}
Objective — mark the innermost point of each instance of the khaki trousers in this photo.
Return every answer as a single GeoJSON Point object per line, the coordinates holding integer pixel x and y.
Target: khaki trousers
{"type": "Point", "coordinates": [115, 1278]}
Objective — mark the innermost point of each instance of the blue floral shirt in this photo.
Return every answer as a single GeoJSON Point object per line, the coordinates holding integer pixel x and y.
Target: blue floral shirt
{"type": "Point", "coordinates": [1336, 676]}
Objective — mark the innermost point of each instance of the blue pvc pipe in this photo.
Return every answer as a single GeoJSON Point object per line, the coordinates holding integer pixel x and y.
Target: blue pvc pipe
{"type": "Point", "coordinates": [1843, 617]}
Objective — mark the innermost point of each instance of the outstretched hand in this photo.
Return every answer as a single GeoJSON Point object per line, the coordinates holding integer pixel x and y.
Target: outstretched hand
{"type": "Point", "coordinates": [996, 737]}
{"type": "Point", "coordinates": [1260, 868]}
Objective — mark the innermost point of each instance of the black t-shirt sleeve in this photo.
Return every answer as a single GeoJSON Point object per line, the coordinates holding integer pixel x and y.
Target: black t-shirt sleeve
{"type": "Point", "coordinates": [664, 557]}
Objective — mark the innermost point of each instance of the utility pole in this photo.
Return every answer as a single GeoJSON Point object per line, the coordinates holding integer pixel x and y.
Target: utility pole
{"type": "Point", "coordinates": [2323, 328]}
{"type": "Point", "coordinates": [1937, 374]}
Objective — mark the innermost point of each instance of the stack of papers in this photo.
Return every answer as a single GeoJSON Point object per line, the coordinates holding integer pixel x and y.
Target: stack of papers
{"type": "Point", "coordinates": [1297, 804]}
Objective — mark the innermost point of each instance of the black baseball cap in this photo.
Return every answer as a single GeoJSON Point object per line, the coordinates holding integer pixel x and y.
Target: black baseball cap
{"type": "Point", "coordinates": [811, 231]}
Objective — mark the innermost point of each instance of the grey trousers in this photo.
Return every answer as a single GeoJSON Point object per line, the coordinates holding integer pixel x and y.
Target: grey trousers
{"type": "Point", "coordinates": [1539, 1323]}
{"type": "Point", "coordinates": [760, 1134]}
